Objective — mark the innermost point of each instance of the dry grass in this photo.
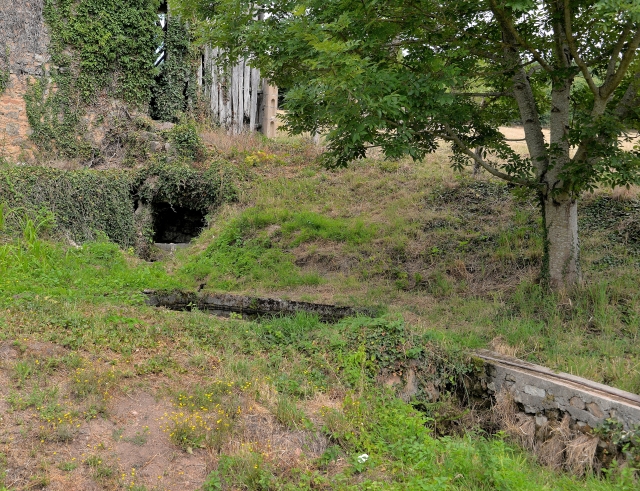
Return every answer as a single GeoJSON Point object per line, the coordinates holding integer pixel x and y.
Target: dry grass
{"type": "Point", "coordinates": [260, 431]}
{"type": "Point", "coordinates": [520, 427]}
{"type": "Point", "coordinates": [280, 150]}
{"type": "Point", "coordinates": [499, 345]}
{"type": "Point", "coordinates": [555, 443]}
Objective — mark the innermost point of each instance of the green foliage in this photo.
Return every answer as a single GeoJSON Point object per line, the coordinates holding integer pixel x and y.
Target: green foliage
{"type": "Point", "coordinates": [290, 415]}
{"type": "Point", "coordinates": [97, 270]}
{"type": "Point", "coordinates": [455, 75]}
{"type": "Point", "coordinates": [232, 260]}
{"type": "Point", "coordinates": [627, 441]}
{"type": "Point", "coordinates": [186, 138]}
{"type": "Point", "coordinates": [175, 88]}
{"type": "Point", "coordinates": [112, 43]}
{"type": "Point", "coordinates": [86, 204]}
{"type": "Point", "coordinates": [66, 304]}
{"type": "Point", "coordinates": [95, 45]}
{"type": "Point", "coordinates": [412, 81]}
{"type": "Point", "coordinates": [5, 72]}
{"type": "Point", "coordinates": [384, 346]}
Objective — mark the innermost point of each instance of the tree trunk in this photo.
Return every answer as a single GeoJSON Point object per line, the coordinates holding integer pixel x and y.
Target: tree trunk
{"type": "Point", "coordinates": [562, 248]}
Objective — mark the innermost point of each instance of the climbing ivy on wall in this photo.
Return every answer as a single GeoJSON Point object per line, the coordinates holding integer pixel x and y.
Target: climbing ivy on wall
{"type": "Point", "coordinates": [113, 44]}
{"type": "Point", "coordinates": [86, 203]}
{"type": "Point", "coordinates": [4, 71]}
{"type": "Point", "coordinates": [83, 202]}
{"type": "Point", "coordinates": [175, 89]}
{"type": "Point", "coordinates": [95, 45]}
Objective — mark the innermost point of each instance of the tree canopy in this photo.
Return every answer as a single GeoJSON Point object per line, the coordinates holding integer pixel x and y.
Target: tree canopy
{"type": "Point", "coordinates": [407, 75]}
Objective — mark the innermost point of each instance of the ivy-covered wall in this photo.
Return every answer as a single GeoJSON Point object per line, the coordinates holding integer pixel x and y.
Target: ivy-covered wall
{"type": "Point", "coordinates": [70, 70]}
{"type": "Point", "coordinates": [102, 55]}
{"type": "Point", "coordinates": [87, 203]}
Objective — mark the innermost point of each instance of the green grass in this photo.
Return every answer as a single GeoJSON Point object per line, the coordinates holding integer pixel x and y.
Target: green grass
{"type": "Point", "coordinates": [96, 272]}
{"type": "Point", "coordinates": [300, 358]}
{"type": "Point", "coordinates": [246, 253]}
{"type": "Point", "coordinates": [453, 262]}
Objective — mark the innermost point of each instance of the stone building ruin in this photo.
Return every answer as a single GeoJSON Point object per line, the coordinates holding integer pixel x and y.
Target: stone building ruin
{"type": "Point", "coordinates": [237, 99]}
{"type": "Point", "coordinates": [23, 57]}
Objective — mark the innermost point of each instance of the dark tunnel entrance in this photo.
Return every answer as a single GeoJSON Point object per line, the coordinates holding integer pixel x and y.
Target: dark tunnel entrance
{"type": "Point", "coordinates": [176, 224]}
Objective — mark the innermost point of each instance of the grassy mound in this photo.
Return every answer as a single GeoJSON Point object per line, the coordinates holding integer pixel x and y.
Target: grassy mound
{"type": "Point", "coordinates": [458, 257]}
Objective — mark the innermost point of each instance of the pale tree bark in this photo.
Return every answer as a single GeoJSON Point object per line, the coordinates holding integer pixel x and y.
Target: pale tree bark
{"type": "Point", "coordinates": [560, 207]}
{"type": "Point", "coordinates": [561, 263]}
{"type": "Point", "coordinates": [562, 249]}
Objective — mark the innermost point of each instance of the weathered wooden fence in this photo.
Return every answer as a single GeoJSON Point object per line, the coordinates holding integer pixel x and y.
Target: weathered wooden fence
{"type": "Point", "coordinates": [239, 99]}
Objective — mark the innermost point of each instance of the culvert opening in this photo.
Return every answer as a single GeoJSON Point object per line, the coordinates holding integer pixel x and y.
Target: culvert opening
{"type": "Point", "coordinates": [176, 224]}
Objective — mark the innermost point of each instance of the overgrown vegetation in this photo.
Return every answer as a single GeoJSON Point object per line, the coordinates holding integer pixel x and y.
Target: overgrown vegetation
{"type": "Point", "coordinates": [94, 45]}
{"type": "Point", "coordinates": [112, 44]}
{"type": "Point", "coordinates": [175, 90]}
{"type": "Point", "coordinates": [85, 204]}
{"type": "Point", "coordinates": [103, 52]}
{"type": "Point", "coordinates": [303, 379]}
{"type": "Point", "coordinates": [293, 403]}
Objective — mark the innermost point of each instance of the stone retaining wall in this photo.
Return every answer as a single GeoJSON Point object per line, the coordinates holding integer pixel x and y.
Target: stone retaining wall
{"type": "Point", "coordinates": [542, 393]}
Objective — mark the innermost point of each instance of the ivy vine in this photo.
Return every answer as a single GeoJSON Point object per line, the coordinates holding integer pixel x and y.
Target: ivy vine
{"type": "Point", "coordinates": [87, 203]}
{"type": "Point", "coordinates": [112, 44]}
{"type": "Point", "coordinates": [175, 89]}
{"type": "Point", "coordinates": [95, 45]}
{"type": "Point", "coordinates": [5, 72]}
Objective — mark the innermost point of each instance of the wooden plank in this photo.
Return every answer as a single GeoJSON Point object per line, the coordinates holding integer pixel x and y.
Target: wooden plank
{"type": "Point", "coordinates": [222, 97]}
{"type": "Point", "coordinates": [215, 88]}
{"type": "Point", "coordinates": [240, 112]}
{"type": "Point", "coordinates": [233, 92]}
{"type": "Point", "coordinates": [227, 94]}
{"type": "Point", "coordinates": [247, 89]}
{"type": "Point", "coordinates": [253, 109]}
{"type": "Point", "coordinates": [234, 99]}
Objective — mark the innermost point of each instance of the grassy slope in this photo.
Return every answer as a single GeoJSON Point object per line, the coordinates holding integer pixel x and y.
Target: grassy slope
{"type": "Point", "coordinates": [78, 343]}
{"type": "Point", "coordinates": [453, 255]}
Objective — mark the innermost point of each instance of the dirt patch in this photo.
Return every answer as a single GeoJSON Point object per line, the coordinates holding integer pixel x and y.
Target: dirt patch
{"type": "Point", "coordinates": [60, 433]}
{"type": "Point", "coordinates": [129, 447]}
{"type": "Point", "coordinates": [142, 445]}
{"type": "Point", "coordinates": [283, 446]}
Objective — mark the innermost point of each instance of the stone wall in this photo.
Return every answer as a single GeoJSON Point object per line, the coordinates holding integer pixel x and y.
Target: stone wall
{"type": "Point", "coordinates": [23, 51]}
{"type": "Point", "coordinates": [542, 393]}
